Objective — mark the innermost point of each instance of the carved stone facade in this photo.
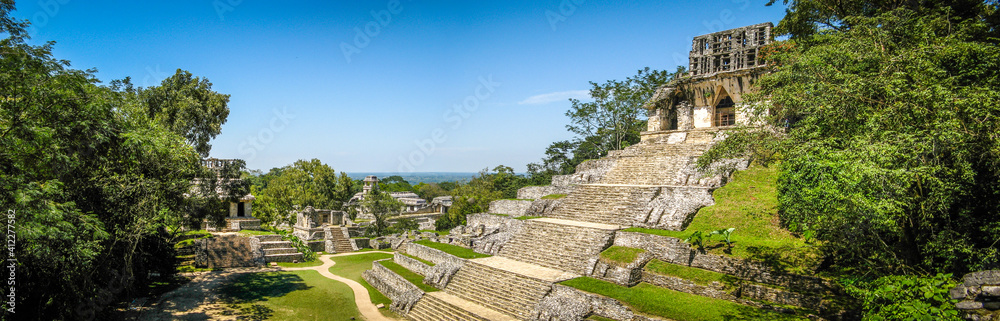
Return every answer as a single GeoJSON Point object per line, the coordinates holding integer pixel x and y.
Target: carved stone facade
{"type": "Point", "coordinates": [723, 67]}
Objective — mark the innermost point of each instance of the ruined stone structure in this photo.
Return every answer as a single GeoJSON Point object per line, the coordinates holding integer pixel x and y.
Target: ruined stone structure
{"type": "Point", "coordinates": [979, 296]}
{"type": "Point", "coordinates": [323, 230]}
{"type": "Point", "coordinates": [241, 212]}
{"type": "Point", "coordinates": [653, 184]}
{"type": "Point", "coordinates": [412, 203]}
{"type": "Point", "coordinates": [723, 66]}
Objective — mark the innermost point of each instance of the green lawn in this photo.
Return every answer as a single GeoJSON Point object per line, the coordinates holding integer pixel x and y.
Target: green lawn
{"type": "Point", "coordinates": [411, 276]}
{"type": "Point", "coordinates": [553, 196]}
{"type": "Point", "coordinates": [429, 263]}
{"type": "Point", "coordinates": [297, 295]}
{"type": "Point", "coordinates": [621, 254]}
{"type": "Point", "coordinates": [699, 276]}
{"type": "Point", "coordinates": [452, 249]}
{"type": "Point", "coordinates": [253, 232]}
{"type": "Point", "coordinates": [749, 203]}
{"type": "Point", "coordinates": [351, 266]}
{"type": "Point", "coordinates": [316, 262]}
{"type": "Point", "coordinates": [650, 299]}
{"type": "Point", "coordinates": [438, 232]}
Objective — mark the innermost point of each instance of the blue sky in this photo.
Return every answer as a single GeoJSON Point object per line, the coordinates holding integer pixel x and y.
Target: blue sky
{"type": "Point", "coordinates": [445, 86]}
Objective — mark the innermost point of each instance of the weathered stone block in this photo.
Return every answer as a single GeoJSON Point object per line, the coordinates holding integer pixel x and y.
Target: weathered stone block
{"type": "Point", "coordinates": [990, 290]}
{"type": "Point", "coordinates": [510, 207]}
{"type": "Point", "coordinates": [958, 292]}
{"type": "Point", "coordinates": [989, 277]}
{"type": "Point", "coordinates": [969, 305]}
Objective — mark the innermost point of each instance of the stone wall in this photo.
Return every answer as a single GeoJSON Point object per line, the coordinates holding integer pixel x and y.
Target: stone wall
{"type": "Point", "coordinates": [513, 208]}
{"type": "Point", "coordinates": [402, 293]}
{"type": "Point", "coordinates": [223, 251]}
{"type": "Point", "coordinates": [411, 264]}
{"type": "Point", "coordinates": [588, 172]}
{"type": "Point", "coordinates": [543, 207]}
{"type": "Point", "coordinates": [496, 231]}
{"type": "Point", "coordinates": [628, 274]}
{"type": "Point", "coordinates": [445, 265]}
{"type": "Point", "coordinates": [980, 296]}
{"type": "Point", "coordinates": [566, 303]}
{"type": "Point", "coordinates": [317, 245]}
{"type": "Point", "coordinates": [536, 192]}
{"type": "Point", "coordinates": [673, 250]}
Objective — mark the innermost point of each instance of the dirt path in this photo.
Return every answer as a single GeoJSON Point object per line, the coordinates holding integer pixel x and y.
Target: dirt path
{"type": "Point", "coordinates": [198, 300]}
{"type": "Point", "coordinates": [361, 297]}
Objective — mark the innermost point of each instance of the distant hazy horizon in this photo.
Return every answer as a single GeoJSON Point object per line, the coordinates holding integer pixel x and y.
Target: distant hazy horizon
{"type": "Point", "coordinates": [415, 178]}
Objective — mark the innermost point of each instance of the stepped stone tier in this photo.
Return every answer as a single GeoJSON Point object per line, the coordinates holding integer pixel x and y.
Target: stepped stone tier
{"type": "Point", "coordinates": [569, 245]}
{"type": "Point", "coordinates": [277, 250]}
{"type": "Point", "coordinates": [654, 184]}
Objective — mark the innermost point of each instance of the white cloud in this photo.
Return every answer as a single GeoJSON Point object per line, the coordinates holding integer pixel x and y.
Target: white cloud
{"type": "Point", "coordinates": [556, 96]}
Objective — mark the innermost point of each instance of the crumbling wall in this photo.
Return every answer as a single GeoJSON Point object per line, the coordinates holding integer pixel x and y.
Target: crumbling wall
{"type": "Point", "coordinates": [980, 296]}
{"type": "Point", "coordinates": [402, 293]}
{"type": "Point", "coordinates": [223, 251]}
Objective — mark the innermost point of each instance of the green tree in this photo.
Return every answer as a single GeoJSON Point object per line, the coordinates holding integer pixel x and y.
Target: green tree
{"type": "Point", "coordinates": [430, 191]}
{"type": "Point", "coordinates": [612, 121]}
{"type": "Point", "coordinates": [476, 195]}
{"type": "Point", "coordinates": [187, 106]}
{"type": "Point", "coordinates": [381, 205]}
{"type": "Point", "coordinates": [395, 183]}
{"type": "Point", "coordinates": [304, 183]}
{"type": "Point", "coordinates": [887, 142]}
{"type": "Point", "coordinates": [93, 182]}
{"type": "Point", "coordinates": [616, 114]}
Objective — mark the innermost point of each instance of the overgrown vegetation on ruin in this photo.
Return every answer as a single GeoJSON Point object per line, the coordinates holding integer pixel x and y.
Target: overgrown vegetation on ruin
{"type": "Point", "coordinates": [654, 300]}
{"type": "Point", "coordinates": [882, 120]}
{"type": "Point", "coordinates": [452, 249]}
{"type": "Point", "coordinates": [749, 203]}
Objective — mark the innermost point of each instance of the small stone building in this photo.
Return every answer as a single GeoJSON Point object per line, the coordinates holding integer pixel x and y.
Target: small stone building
{"type": "Point", "coordinates": [412, 203]}
{"type": "Point", "coordinates": [240, 212]}
{"type": "Point", "coordinates": [723, 67]}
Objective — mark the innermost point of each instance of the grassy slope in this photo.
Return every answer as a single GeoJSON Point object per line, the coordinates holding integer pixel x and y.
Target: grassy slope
{"type": "Point", "coordinates": [351, 266]}
{"type": "Point", "coordinates": [621, 254]}
{"type": "Point", "coordinates": [253, 232]}
{"type": "Point", "coordinates": [649, 299]}
{"type": "Point", "coordinates": [411, 276]}
{"type": "Point", "coordinates": [750, 204]}
{"type": "Point", "coordinates": [429, 263]}
{"type": "Point", "coordinates": [452, 249]}
{"type": "Point", "coordinates": [298, 295]}
{"type": "Point", "coordinates": [699, 276]}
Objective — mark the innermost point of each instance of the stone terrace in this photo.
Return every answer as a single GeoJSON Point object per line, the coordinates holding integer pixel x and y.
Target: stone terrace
{"type": "Point", "coordinates": [649, 184]}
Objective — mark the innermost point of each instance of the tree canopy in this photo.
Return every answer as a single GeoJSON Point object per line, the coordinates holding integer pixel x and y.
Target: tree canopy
{"type": "Point", "coordinates": [888, 149]}
{"type": "Point", "coordinates": [304, 183]}
{"type": "Point", "coordinates": [93, 179]}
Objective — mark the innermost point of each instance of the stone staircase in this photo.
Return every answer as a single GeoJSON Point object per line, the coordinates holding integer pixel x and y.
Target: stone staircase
{"type": "Point", "coordinates": [341, 243]}
{"type": "Point", "coordinates": [439, 306]}
{"type": "Point", "coordinates": [672, 165]}
{"type": "Point", "coordinates": [605, 204]}
{"type": "Point", "coordinates": [501, 285]}
{"type": "Point", "coordinates": [277, 250]}
{"type": "Point", "coordinates": [650, 184]}
{"type": "Point", "coordinates": [560, 244]}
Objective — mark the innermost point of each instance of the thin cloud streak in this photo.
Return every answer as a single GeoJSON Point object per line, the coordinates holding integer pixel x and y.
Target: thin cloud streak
{"type": "Point", "coordinates": [556, 96]}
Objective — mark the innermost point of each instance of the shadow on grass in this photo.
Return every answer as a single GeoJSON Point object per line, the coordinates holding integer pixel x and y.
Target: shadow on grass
{"type": "Point", "coordinates": [247, 290]}
{"type": "Point", "coordinates": [743, 312]}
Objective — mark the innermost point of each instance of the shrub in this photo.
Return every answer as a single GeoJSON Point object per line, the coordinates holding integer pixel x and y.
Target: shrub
{"type": "Point", "coordinates": [905, 297]}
